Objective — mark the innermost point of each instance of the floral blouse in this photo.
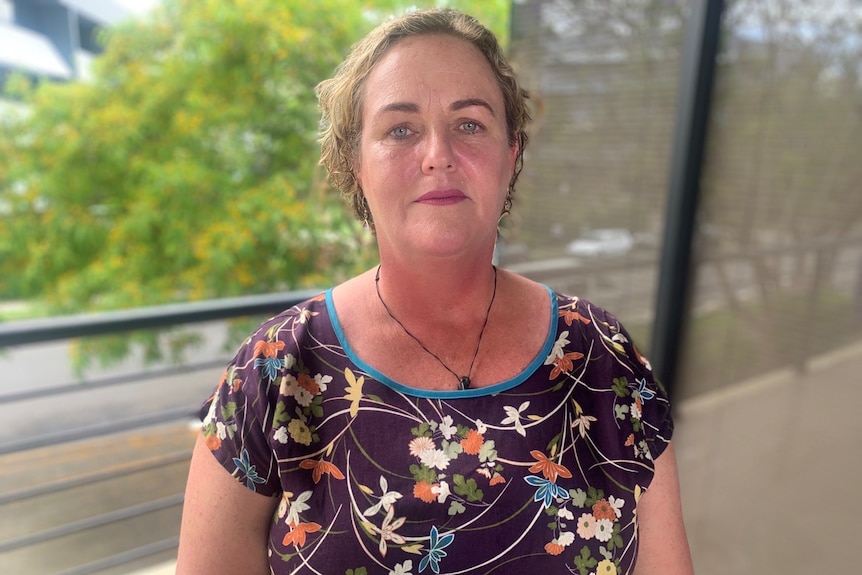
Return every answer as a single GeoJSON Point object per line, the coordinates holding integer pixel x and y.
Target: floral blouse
{"type": "Point", "coordinates": [543, 471]}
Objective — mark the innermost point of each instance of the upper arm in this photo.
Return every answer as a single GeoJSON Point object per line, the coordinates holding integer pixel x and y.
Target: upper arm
{"type": "Point", "coordinates": [663, 546]}
{"type": "Point", "coordinates": [225, 526]}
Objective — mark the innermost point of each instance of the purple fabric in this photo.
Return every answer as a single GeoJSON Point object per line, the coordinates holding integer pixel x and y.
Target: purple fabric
{"type": "Point", "coordinates": [539, 472]}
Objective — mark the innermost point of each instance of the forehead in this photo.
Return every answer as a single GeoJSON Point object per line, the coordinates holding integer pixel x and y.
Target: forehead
{"type": "Point", "coordinates": [431, 66]}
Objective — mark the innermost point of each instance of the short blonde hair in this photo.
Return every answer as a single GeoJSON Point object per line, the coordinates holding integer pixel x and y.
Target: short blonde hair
{"type": "Point", "coordinates": [341, 97]}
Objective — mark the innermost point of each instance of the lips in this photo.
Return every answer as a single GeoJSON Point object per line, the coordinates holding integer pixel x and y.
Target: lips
{"type": "Point", "coordinates": [441, 197]}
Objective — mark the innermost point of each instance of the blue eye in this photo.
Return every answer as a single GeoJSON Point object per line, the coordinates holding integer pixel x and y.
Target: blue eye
{"type": "Point", "coordinates": [470, 127]}
{"type": "Point", "coordinates": [400, 132]}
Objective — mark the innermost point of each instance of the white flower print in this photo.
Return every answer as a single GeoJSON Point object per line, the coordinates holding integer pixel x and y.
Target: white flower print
{"type": "Point", "coordinates": [303, 396]}
{"type": "Point", "coordinates": [405, 568]}
{"type": "Point", "coordinates": [481, 427]}
{"type": "Point", "coordinates": [280, 435]}
{"type": "Point", "coordinates": [582, 422]}
{"type": "Point", "coordinates": [305, 315]}
{"type": "Point", "coordinates": [566, 538]}
{"type": "Point", "coordinates": [636, 410]}
{"type": "Point", "coordinates": [432, 458]}
{"type": "Point", "coordinates": [420, 445]}
{"type": "Point", "coordinates": [564, 513]}
{"type": "Point", "coordinates": [387, 531]}
{"type": "Point", "coordinates": [211, 413]}
{"type": "Point", "coordinates": [441, 490]}
{"type": "Point", "coordinates": [386, 500]}
{"type": "Point", "coordinates": [557, 350]}
{"type": "Point", "coordinates": [447, 429]}
{"type": "Point", "coordinates": [288, 386]}
{"type": "Point", "coordinates": [298, 506]}
{"type": "Point", "coordinates": [322, 381]}
{"type": "Point", "coordinates": [604, 530]}
{"type": "Point", "coordinates": [514, 416]}
{"type": "Point", "coordinates": [617, 505]}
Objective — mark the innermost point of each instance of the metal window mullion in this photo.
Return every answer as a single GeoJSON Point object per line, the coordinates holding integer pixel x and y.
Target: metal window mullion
{"type": "Point", "coordinates": [700, 51]}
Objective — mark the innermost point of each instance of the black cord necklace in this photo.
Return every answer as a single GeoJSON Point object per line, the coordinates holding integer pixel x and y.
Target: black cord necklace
{"type": "Point", "coordinates": [463, 380]}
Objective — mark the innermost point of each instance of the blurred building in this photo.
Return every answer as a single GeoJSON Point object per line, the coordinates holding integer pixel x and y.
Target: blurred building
{"type": "Point", "coordinates": [54, 39]}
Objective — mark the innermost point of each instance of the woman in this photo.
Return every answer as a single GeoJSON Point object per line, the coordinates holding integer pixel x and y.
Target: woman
{"type": "Point", "coordinates": [434, 414]}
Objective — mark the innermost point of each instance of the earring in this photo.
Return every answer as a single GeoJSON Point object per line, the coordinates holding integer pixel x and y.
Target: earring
{"type": "Point", "coordinates": [507, 203]}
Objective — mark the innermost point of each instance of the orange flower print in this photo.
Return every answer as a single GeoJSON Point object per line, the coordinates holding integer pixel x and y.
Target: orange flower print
{"type": "Point", "coordinates": [565, 363]}
{"type": "Point", "coordinates": [497, 479]}
{"type": "Point", "coordinates": [297, 533]}
{"type": "Point", "coordinates": [554, 548]}
{"type": "Point", "coordinates": [603, 510]}
{"type": "Point", "coordinates": [473, 443]}
{"type": "Point", "coordinates": [268, 348]}
{"type": "Point", "coordinates": [548, 468]}
{"type": "Point", "coordinates": [212, 442]}
{"type": "Point", "coordinates": [422, 490]}
{"type": "Point", "coordinates": [236, 383]}
{"type": "Point", "coordinates": [570, 316]}
{"type": "Point", "coordinates": [319, 467]}
{"type": "Point", "coordinates": [308, 383]}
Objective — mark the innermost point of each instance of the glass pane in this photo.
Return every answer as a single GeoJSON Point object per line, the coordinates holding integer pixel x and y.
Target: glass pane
{"type": "Point", "coordinates": [590, 204]}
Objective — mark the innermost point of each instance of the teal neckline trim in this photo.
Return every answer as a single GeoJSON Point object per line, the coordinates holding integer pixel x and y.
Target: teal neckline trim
{"type": "Point", "coordinates": [537, 362]}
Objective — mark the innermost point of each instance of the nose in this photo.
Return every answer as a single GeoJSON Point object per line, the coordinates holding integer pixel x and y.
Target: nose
{"type": "Point", "coordinates": [438, 154]}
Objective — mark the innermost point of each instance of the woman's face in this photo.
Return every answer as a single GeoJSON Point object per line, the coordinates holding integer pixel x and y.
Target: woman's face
{"type": "Point", "coordinates": [434, 157]}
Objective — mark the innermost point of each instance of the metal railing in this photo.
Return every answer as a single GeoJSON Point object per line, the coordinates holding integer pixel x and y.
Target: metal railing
{"type": "Point", "coordinates": [27, 332]}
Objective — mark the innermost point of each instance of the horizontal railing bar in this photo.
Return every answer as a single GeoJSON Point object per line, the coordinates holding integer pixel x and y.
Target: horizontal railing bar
{"type": "Point", "coordinates": [99, 429]}
{"type": "Point", "coordinates": [107, 473]}
{"type": "Point", "coordinates": [74, 387]}
{"type": "Point", "coordinates": [91, 522]}
{"type": "Point", "coordinates": [66, 327]}
{"type": "Point", "coordinates": [125, 557]}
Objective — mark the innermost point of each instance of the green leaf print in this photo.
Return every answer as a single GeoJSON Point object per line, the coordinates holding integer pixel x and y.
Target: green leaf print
{"type": "Point", "coordinates": [456, 507]}
{"type": "Point", "coordinates": [594, 495]}
{"type": "Point", "coordinates": [487, 452]}
{"type": "Point", "coordinates": [280, 415]}
{"type": "Point", "coordinates": [453, 449]}
{"type": "Point", "coordinates": [316, 406]}
{"type": "Point", "coordinates": [621, 387]}
{"type": "Point", "coordinates": [621, 411]}
{"type": "Point", "coordinates": [579, 496]}
{"type": "Point", "coordinates": [616, 540]}
{"type": "Point", "coordinates": [423, 473]}
{"type": "Point", "coordinates": [357, 571]}
{"type": "Point", "coordinates": [467, 488]}
{"type": "Point", "coordinates": [423, 430]}
{"type": "Point", "coordinates": [585, 561]}
{"type": "Point", "coordinates": [228, 411]}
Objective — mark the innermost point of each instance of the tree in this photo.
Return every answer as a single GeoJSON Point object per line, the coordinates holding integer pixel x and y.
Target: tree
{"type": "Point", "coordinates": [187, 168]}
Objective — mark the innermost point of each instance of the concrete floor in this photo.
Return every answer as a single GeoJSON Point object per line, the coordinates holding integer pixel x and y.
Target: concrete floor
{"type": "Point", "coordinates": [770, 472]}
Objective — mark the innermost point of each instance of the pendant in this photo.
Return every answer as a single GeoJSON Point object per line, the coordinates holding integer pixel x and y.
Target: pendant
{"type": "Point", "coordinates": [464, 382]}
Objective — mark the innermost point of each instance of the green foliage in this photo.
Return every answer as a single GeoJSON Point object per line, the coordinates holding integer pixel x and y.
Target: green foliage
{"type": "Point", "coordinates": [187, 168]}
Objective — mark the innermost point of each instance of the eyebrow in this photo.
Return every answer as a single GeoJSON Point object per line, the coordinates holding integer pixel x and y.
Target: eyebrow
{"type": "Point", "coordinates": [456, 105]}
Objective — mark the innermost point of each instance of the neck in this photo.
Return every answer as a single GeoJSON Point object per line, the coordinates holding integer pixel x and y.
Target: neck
{"type": "Point", "coordinates": [425, 291]}
{"type": "Point", "coordinates": [463, 378]}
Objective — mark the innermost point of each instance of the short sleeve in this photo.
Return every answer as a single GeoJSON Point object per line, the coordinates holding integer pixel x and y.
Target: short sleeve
{"type": "Point", "coordinates": [236, 418]}
{"type": "Point", "coordinates": [641, 404]}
